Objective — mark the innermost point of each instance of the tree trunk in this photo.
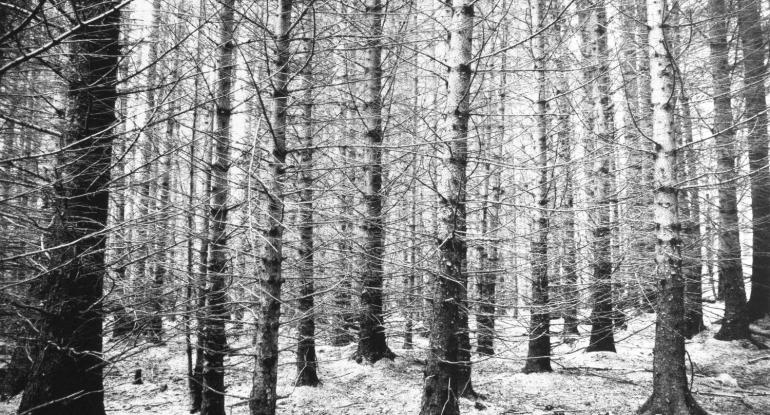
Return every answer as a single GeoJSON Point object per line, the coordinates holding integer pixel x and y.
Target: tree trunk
{"type": "Point", "coordinates": [447, 374]}
{"type": "Point", "coordinates": [601, 316]}
{"type": "Point", "coordinates": [214, 340]}
{"type": "Point", "coordinates": [306, 357]}
{"type": "Point", "coordinates": [693, 267]}
{"type": "Point", "coordinates": [263, 392]}
{"type": "Point", "coordinates": [66, 378]}
{"type": "Point", "coordinates": [735, 324]}
{"type": "Point", "coordinates": [539, 350]}
{"type": "Point", "coordinates": [485, 318]}
{"type": "Point", "coordinates": [671, 394]}
{"type": "Point", "coordinates": [755, 74]}
{"type": "Point", "coordinates": [372, 345]}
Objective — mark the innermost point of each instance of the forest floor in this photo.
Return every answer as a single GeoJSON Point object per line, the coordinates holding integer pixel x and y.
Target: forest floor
{"type": "Point", "coordinates": [730, 378]}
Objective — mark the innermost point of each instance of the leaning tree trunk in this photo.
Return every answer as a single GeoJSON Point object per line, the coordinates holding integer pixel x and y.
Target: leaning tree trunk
{"type": "Point", "coordinates": [264, 393]}
{"type": "Point", "coordinates": [601, 316]}
{"type": "Point", "coordinates": [66, 378]}
{"type": "Point", "coordinates": [445, 374]}
{"type": "Point", "coordinates": [307, 365]}
{"type": "Point", "coordinates": [539, 350]}
{"type": "Point", "coordinates": [671, 393]}
{"type": "Point", "coordinates": [372, 345]}
{"type": "Point", "coordinates": [735, 324]}
{"type": "Point", "coordinates": [755, 73]}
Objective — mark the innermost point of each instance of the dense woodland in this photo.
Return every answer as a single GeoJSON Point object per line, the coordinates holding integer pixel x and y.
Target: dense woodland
{"type": "Point", "coordinates": [473, 191]}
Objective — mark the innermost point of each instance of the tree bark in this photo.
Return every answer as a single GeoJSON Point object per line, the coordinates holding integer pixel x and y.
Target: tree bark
{"type": "Point", "coordinates": [602, 338]}
{"type": "Point", "coordinates": [307, 363]}
{"type": "Point", "coordinates": [214, 340]}
{"type": "Point", "coordinates": [754, 42]}
{"type": "Point", "coordinates": [372, 345]}
{"type": "Point", "coordinates": [671, 394]}
{"type": "Point", "coordinates": [539, 349]}
{"type": "Point", "coordinates": [735, 324]}
{"type": "Point", "coordinates": [447, 374]}
{"type": "Point", "coordinates": [66, 378]}
{"type": "Point", "coordinates": [263, 392]}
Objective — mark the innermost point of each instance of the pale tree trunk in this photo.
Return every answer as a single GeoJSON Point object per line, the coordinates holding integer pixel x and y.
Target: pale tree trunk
{"type": "Point", "coordinates": [143, 264]}
{"type": "Point", "coordinates": [735, 324]}
{"type": "Point", "coordinates": [123, 322]}
{"type": "Point", "coordinates": [601, 316]}
{"type": "Point", "coordinates": [753, 42]}
{"type": "Point", "coordinates": [447, 374]}
{"type": "Point", "coordinates": [409, 287]}
{"type": "Point", "coordinates": [263, 392]}
{"type": "Point", "coordinates": [642, 246]}
{"type": "Point", "coordinates": [214, 340]}
{"type": "Point", "coordinates": [671, 393]}
{"type": "Point", "coordinates": [568, 293]}
{"type": "Point", "coordinates": [66, 377]}
{"type": "Point", "coordinates": [485, 316]}
{"type": "Point", "coordinates": [693, 266]}
{"type": "Point", "coordinates": [307, 364]}
{"type": "Point", "coordinates": [539, 349]}
{"type": "Point", "coordinates": [689, 203]}
{"type": "Point", "coordinates": [372, 345]}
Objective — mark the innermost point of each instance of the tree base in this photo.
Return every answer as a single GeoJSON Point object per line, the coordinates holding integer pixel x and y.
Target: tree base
{"type": "Point", "coordinates": [374, 356]}
{"type": "Point", "coordinates": [537, 365]}
{"type": "Point", "coordinates": [681, 404]}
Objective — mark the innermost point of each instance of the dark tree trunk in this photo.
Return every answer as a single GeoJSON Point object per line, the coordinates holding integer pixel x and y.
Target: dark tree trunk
{"type": "Point", "coordinates": [216, 313]}
{"type": "Point", "coordinates": [755, 74]}
{"type": "Point", "coordinates": [66, 378]}
{"type": "Point", "coordinates": [263, 392]}
{"type": "Point", "coordinates": [735, 324]}
{"type": "Point", "coordinates": [671, 393]}
{"type": "Point", "coordinates": [307, 363]}
{"type": "Point", "coordinates": [602, 338]}
{"type": "Point", "coordinates": [372, 344]}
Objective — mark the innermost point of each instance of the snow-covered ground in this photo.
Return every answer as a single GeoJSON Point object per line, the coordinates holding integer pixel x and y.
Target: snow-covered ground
{"type": "Point", "coordinates": [731, 378]}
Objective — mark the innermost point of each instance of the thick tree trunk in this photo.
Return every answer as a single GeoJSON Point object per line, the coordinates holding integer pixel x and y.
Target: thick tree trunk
{"type": "Point", "coordinates": [447, 375]}
{"type": "Point", "coordinates": [307, 363]}
{"type": "Point", "coordinates": [372, 345]}
{"type": "Point", "coordinates": [539, 350]}
{"type": "Point", "coordinates": [671, 393]}
{"type": "Point", "coordinates": [601, 316]}
{"type": "Point", "coordinates": [66, 378]}
{"type": "Point", "coordinates": [214, 340]}
{"type": "Point", "coordinates": [755, 74]}
{"type": "Point", "coordinates": [264, 393]}
{"type": "Point", "coordinates": [735, 324]}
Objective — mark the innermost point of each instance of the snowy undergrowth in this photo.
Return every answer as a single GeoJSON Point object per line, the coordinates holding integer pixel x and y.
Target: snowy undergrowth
{"type": "Point", "coordinates": [729, 378]}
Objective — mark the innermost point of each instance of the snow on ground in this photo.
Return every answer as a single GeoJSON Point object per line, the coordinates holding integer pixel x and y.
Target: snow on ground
{"type": "Point", "coordinates": [731, 378]}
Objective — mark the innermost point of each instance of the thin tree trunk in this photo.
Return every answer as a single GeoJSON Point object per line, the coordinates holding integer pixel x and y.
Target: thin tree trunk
{"type": "Point", "coordinates": [447, 374]}
{"type": "Point", "coordinates": [66, 378]}
{"type": "Point", "coordinates": [306, 356]}
{"type": "Point", "coordinates": [693, 266]}
{"type": "Point", "coordinates": [263, 392]}
{"type": "Point", "coordinates": [671, 393]}
{"type": "Point", "coordinates": [755, 74]}
{"type": "Point", "coordinates": [735, 324]}
{"type": "Point", "coordinates": [486, 277]}
{"type": "Point", "coordinates": [539, 349]}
